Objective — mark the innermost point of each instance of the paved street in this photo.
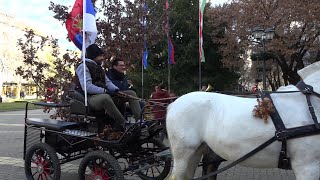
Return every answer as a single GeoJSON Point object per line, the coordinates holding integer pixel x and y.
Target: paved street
{"type": "Point", "coordinates": [12, 164]}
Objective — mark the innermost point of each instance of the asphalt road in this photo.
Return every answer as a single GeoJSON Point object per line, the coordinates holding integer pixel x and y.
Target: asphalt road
{"type": "Point", "coordinates": [12, 164]}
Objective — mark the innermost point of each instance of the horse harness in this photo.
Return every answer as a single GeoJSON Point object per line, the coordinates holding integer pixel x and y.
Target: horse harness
{"type": "Point", "coordinates": [282, 133]}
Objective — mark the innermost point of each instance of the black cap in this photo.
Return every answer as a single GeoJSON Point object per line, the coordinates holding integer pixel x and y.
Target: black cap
{"type": "Point", "coordinates": [93, 51]}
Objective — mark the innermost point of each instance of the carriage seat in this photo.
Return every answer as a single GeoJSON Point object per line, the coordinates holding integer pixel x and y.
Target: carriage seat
{"type": "Point", "coordinates": [52, 124]}
{"type": "Point", "coordinates": [97, 119]}
{"type": "Point", "coordinates": [78, 109]}
{"type": "Point", "coordinates": [77, 105]}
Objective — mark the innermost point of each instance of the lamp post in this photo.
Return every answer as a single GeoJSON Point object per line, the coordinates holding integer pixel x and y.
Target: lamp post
{"type": "Point", "coordinates": [262, 36]}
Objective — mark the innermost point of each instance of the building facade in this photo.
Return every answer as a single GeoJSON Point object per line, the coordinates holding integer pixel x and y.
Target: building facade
{"type": "Point", "coordinates": [11, 84]}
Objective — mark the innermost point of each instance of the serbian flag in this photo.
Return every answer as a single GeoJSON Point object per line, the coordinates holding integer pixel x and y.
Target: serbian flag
{"type": "Point", "coordinates": [145, 56]}
{"type": "Point", "coordinates": [77, 22]}
{"type": "Point", "coordinates": [202, 4]}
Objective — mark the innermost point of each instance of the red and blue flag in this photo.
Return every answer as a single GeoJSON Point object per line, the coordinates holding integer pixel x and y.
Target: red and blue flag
{"type": "Point", "coordinates": [170, 45]}
{"type": "Point", "coordinates": [171, 51]}
{"type": "Point", "coordinates": [77, 23]}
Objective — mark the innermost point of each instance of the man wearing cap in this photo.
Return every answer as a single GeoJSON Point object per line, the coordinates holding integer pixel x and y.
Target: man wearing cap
{"type": "Point", "coordinates": [99, 88]}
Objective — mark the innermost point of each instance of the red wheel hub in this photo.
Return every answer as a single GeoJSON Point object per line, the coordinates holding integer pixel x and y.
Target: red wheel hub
{"type": "Point", "coordinates": [42, 167]}
{"type": "Point", "coordinates": [99, 173]}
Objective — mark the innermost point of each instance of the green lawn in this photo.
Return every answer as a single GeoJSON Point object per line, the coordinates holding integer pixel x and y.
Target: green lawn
{"type": "Point", "coordinates": [13, 106]}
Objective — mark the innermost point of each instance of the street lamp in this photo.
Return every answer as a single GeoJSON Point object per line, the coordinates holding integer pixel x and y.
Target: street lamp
{"type": "Point", "coordinates": [262, 35]}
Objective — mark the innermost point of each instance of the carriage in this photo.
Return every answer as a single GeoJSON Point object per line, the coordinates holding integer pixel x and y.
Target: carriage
{"type": "Point", "coordinates": [49, 143]}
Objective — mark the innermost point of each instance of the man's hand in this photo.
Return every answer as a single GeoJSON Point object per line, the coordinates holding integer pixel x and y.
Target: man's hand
{"type": "Point", "coordinates": [111, 93]}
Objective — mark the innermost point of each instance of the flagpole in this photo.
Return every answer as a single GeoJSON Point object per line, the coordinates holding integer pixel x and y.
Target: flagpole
{"type": "Point", "coordinates": [84, 53]}
{"type": "Point", "coordinates": [200, 51]}
{"type": "Point", "coordinates": [169, 70]}
{"type": "Point", "coordinates": [200, 45]}
{"type": "Point", "coordinates": [169, 75]}
{"type": "Point", "coordinates": [142, 70]}
{"type": "Point", "coordinates": [202, 4]}
{"type": "Point", "coordinates": [200, 75]}
{"type": "Point", "coordinates": [144, 44]}
{"type": "Point", "coordinates": [168, 34]}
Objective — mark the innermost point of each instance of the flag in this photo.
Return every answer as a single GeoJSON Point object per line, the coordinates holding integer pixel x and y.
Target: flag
{"type": "Point", "coordinates": [170, 51]}
{"type": "Point", "coordinates": [145, 46]}
{"type": "Point", "coordinates": [145, 56]}
{"type": "Point", "coordinates": [170, 45]}
{"type": "Point", "coordinates": [202, 4]}
{"type": "Point", "coordinates": [77, 22]}
{"type": "Point", "coordinates": [167, 5]}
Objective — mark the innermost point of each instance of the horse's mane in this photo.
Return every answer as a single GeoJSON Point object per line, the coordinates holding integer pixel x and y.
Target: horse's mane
{"type": "Point", "coordinates": [305, 72]}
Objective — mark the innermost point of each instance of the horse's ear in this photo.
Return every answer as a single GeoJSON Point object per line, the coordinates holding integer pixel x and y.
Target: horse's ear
{"type": "Point", "coordinates": [312, 68]}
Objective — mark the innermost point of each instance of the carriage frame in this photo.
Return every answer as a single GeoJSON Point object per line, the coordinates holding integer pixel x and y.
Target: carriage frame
{"type": "Point", "coordinates": [49, 143]}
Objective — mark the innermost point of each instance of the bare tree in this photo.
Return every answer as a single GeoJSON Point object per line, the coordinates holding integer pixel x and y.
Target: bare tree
{"type": "Point", "coordinates": [296, 25]}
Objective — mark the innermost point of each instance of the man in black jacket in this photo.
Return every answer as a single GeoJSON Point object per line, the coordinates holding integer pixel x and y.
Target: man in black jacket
{"type": "Point", "coordinates": [99, 88]}
{"type": "Point", "coordinates": [117, 75]}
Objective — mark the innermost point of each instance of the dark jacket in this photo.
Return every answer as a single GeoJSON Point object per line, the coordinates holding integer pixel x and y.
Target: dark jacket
{"type": "Point", "coordinates": [118, 79]}
{"type": "Point", "coordinates": [97, 75]}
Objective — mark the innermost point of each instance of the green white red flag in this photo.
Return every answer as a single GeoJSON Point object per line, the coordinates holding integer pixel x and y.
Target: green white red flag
{"type": "Point", "coordinates": [202, 4]}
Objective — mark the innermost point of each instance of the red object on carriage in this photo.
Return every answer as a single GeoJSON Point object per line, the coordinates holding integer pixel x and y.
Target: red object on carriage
{"type": "Point", "coordinates": [162, 99]}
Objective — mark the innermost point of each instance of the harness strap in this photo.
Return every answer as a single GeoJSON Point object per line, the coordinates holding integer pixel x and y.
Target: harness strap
{"type": "Point", "coordinates": [251, 153]}
{"type": "Point", "coordinates": [284, 160]}
{"type": "Point", "coordinates": [308, 90]}
{"type": "Point", "coordinates": [297, 132]}
{"type": "Point", "coordinates": [276, 119]}
{"type": "Point", "coordinates": [312, 112]}
{"type": "Point", "coordinates": [281, 134]}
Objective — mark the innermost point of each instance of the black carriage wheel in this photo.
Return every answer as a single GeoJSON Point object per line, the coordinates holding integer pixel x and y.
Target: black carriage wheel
{"type": "Point", "coordinates": [42, 162]}
{"type": "Point", "coordinates": [100, 165]}
{"type": "Point", "coordinates": [156, 172]}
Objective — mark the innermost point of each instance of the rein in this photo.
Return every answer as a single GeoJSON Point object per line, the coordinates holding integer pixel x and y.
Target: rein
{"type": "Point", "coordinates": [153, 101]}
{"type": "Point", "coordinates": [251, 153]}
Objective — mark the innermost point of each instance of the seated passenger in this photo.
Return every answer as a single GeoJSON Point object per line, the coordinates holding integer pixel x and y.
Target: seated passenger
{"type": "Point", "coordinates": [99, 88]}
{"type": "Point", "coordinates": [117, 75]}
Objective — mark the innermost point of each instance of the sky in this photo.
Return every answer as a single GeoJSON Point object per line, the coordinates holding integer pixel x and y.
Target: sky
{"type": "Point", "coordinates": [35, 13]}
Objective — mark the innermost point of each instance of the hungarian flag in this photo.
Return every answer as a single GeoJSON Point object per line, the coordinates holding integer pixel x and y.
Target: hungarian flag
{"type": "Point", "coordinates": [202, 4]}
{"type": "Point", "coordinates": [77, 22]}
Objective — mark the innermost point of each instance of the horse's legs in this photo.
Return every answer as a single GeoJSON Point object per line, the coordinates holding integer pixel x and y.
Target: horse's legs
{"type": "Point", "coordinates": [181, 158]}
{"type": "Point", "coordinates": [186, 156]}
{"type": "Point", "coordinates": [194, 161]}
{"type": "Point", "coordinates": [211, 162]}
{"type": "Point", "coordinates": [306, 171]}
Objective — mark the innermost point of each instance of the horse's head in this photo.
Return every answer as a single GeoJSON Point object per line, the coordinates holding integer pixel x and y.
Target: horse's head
{"type": "Point", "coordinates": [311, 76]}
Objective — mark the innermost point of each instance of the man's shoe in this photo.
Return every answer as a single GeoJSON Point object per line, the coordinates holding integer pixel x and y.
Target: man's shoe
{"type": "Point", "coordinates": [119, 127]}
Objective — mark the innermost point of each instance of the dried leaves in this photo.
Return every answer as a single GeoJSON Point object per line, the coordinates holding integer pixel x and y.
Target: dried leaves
{"type": "Point", "coordinates": [264, 109]}
{"type": "Point", "coordinates": [109, 134]}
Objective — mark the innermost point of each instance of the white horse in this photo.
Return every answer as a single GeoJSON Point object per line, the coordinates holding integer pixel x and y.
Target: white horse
{"type": "Point", "coordinates": [227, 125]}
